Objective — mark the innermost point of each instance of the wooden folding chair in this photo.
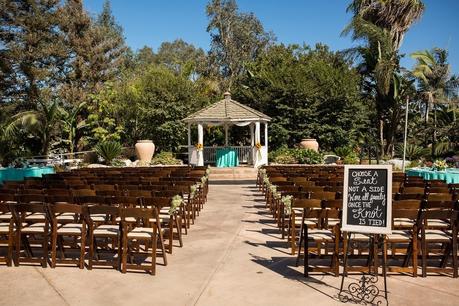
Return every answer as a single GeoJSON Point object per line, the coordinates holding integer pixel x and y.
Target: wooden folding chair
{"type": "Point", "coordinates": [29, 232]}
{"type": "Point", "coordinates": [6, 229]}
{"type": "Point", "coordinates": [403, 241]}
{"type": "Point", "coordinates": [75, 230]}
{"type": "Point", "coordinates": [104, 235]}
{"type": "Point", "coordinates": [437, 244]}
{"type": "Point", "coordinates": [145, 232]}
{"type": "Point", "coordinates": [167, 220]}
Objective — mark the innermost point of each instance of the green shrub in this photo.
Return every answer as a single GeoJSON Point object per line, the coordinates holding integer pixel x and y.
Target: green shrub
{"type": "Point", "coordinates": [307, 156]}
{"type": "Point", "coordinates": [351, 159]}
{"type": "Point", "coordinates": [343, 152]}
{"type": "Point", "coordinates": [285, 159]}
{"type": "Point", "coordinates": [165, 158]}
{"type": "Point", "coordinates": [412, 151]}
{"type": "Point", "coordinates": [108, 150]}
{"type": "Point", "coordinates": [296, 156]}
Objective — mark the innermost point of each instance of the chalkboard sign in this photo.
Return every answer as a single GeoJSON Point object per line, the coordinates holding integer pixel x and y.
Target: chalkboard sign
{"type": "Point", "coordinates": [367, 199]}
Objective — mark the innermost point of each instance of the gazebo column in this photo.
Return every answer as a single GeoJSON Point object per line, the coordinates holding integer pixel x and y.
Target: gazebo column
{"type": "Point", "coordinates": [226, 135]}
{"type": "Point", "coordinates": [256, 154]}
{"type": "Point", "coordinates": [252, 140]}
{"type": "Point", "coordinates": [201, 141]}
{"type": "Point", "coordinates": [266, 135]}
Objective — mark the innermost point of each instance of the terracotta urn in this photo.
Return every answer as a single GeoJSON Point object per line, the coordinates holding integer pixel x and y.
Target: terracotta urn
{"type": "Point", "coordinates": [144, 150]}
{"type": "Point", "coordinates": [310, 143]}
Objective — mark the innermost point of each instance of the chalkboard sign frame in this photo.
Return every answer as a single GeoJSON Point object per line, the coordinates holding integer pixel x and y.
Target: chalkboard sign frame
{"type": "Point", "coordinates": [387, 229]}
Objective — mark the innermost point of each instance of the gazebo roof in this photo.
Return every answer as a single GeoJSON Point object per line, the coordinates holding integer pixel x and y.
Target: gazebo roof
{"type": "Point", "coordinates": [226, 110]}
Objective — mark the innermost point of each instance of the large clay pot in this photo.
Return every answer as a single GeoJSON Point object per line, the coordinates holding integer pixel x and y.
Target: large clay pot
{"type": "Point", "coordinates": [144, 150]}
{"type": "Point", "coordinates": [310, 143]}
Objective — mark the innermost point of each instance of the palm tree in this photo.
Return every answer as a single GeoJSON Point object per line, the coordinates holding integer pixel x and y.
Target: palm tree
{"type": "Point", "coordinates": [72, 124]}
{"type": "Point", "coordinates": [435, 81]}
{"type": "Point", "coordinates": [382, 25]}
{"type": "Point", "coordinates": [41, 123]}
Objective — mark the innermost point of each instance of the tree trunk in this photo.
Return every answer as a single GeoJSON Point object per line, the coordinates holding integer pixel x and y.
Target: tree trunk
{"type": "Point", "coordinates": [381, 139]}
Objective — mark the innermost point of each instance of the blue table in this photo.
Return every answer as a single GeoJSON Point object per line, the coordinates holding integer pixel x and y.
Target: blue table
{"type": "Point", "coordinates": [18, 174]}
{"type": "Point", "coordinates": [227, 157]}
{"type": "Point", "coordinates": [450, 175]}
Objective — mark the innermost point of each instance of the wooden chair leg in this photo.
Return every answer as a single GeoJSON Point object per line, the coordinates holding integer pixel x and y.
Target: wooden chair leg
{"type": "Point", "coordinates": [10, 249]}
{"type": "Point", "coordinates": [306, 251]}
{"type": "Point", "coordinates": [91, 250]}
{"type": "Point", "coordinates": [125, 253]}
{"type": "Point", "coordinates": [45, 250]}
{"type": "Point", "coordinates": [53, 249]}
{"type": "Point", "coordinates": [171, 234]}
{"type": "Point", "coordinates": [18, 248]}
{"type": "Point", "coordinates": [82, 249]}
{"type": "Point", "coordinates": [178, 224]}
{"type": "Point", "coordinates": [153, 251]}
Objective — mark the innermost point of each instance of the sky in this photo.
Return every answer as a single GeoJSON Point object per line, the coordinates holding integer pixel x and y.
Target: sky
{"type": "Point", "coordinates": [151, 22]}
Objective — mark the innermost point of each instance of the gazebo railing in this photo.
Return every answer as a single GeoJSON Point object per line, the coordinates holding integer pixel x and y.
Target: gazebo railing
{"type": "Point", "coordinates": [244, 153]}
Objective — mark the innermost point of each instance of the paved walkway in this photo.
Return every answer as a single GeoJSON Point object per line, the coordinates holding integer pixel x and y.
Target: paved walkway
{"type": "Point", "coordinates": [232, 256]}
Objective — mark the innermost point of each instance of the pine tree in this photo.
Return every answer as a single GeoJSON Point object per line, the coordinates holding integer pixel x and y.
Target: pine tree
{"type": "Point", "coordinates": [32, 50]}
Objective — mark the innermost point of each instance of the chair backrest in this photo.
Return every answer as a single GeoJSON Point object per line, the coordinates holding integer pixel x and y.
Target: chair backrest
{"type": "Point", "coordinates": [406, 204]}
{"type": "Point", "coordinates": [111, 212]}
{"type": "Point", "coordinates": [60, 199]}
{"type": "Point", "coordinates": [139, 193]}
{"type": "Point", "coordinates": [157, 202]}
{"type": "Point", "coordinates": [307, 203]}
{"type": "Point", "coordinates": [144, 214]}
{"type": "Point", "coordinates": [103, 187]}
{"type": "Point", "coordinates": [413, 190]}
{"type": "Point", "coordinates": [58, 192]}
{"type": "Point", "coordinates": [32, 198]}
{"type": "Point", "coordinates": [83, 192]}
{"type": "Point", "coordinates": [443, 189]}
{"type": "Point", "coordinates": [324, 195]}
{"type": "Point", "coordinates": [126, 201]}
{"type": "Point", "coordinates": [58, 208]}
{"type": "Point", "coordinates": [439, 196]}
{"type": "Point", "coordinates": [20, 210]}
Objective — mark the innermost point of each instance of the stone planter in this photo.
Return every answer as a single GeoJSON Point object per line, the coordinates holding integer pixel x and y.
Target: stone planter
{"type": "Point", "coordinates": [310, 143]}
{"type": "Point", "coordinates": [144, 150]}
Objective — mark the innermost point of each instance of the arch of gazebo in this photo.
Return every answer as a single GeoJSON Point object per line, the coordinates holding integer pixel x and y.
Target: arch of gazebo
{"type": "Point", "coordinates": [226, 113]}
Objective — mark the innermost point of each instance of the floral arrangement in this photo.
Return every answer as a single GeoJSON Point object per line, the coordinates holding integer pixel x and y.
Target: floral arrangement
{"type": "Point", "coordinates": [439, 165]}
{"type": "Point", "coordinates": [287, 201]}
{"type": "Point", "coordinates": [193, 189]}
{"type": "Point", "coordinates": [175, 203]}
{"type": "Point", "coordinates": [258, 146]}
{"type": "Point", "coordinates": [199, 146]}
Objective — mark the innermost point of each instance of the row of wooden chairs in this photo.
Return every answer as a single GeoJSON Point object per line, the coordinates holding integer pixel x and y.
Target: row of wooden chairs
{"type": "Point", "coordinates": [425, 229]}
{"type": "Point", "coordinates": [45, 212]}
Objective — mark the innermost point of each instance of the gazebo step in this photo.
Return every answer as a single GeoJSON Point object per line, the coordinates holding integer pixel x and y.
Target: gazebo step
{"type": "Point", "coordinates": [236, 173]}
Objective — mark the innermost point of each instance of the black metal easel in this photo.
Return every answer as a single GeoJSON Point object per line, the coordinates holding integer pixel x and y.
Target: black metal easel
{"type": "Point", "coordinates": [365, 290]}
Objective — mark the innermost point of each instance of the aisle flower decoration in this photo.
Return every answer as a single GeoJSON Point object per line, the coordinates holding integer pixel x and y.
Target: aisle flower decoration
{"type": "Point", "coordinates": [175, 203]}
{"type": "Point", "coordinates": [193, 189]}
{"type": "Point", "coordinates": [439, 165]}
{"type": "Point", "coordinates": [199, 146]}
{"type": "Point", "coordinates": [287, 201]}
{"type": "Point", "coordinates": [258, 146]}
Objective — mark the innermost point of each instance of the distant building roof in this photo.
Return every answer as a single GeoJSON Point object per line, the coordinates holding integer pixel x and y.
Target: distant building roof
{"type": "Point", "coordinates": [227, 110]}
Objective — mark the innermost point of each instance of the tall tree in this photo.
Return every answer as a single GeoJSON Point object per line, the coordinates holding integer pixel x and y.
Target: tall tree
{"type": "Point", "coordinates": [382, 24]}
{"type": "Point", "coordinates": [31, 50]}
{"type": "Point", "coordinates": [435, 82]}
{"type": "Point", "coordinates": [182, 58]}
{"type": "Point", "coordinates": [96, 51]}
{"type": "Point", "coordinates": [236, 39]}
{"type": "Point", "coordinates": [308, 93]}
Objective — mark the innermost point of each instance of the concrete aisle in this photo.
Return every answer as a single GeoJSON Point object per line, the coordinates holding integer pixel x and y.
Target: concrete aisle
{"type": "Point", "coordinates": [232, 256]}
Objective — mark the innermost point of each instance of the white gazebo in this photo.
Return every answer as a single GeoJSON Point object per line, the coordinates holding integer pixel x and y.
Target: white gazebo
{"type": "Point", "coordinates": [225, 113]}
